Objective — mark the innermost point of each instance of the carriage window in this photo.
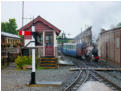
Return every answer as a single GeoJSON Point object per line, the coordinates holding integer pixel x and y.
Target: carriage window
{"type": "Point", "coordinates": [71, 47]}
{"type": "Point", "coordinates": [74, 46]}
{"type": "Point", "coordinates": [8, 40]}
{"type": "Point", "coordinates": [68, 46]}
{"type": "Point", "coordinates": [64, 47]}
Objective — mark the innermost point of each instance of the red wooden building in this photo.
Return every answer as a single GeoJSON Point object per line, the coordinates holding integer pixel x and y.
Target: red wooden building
{"type": "Point", "coordinates": [46, 41]}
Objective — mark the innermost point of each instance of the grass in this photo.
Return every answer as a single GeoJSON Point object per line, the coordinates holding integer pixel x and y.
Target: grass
{"type": "Point", "coordinates": [40, 68]}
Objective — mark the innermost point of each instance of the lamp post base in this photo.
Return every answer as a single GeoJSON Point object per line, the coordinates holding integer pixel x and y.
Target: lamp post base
{"type": "Point", "coordinates": [33, 81]}
{"type": "Point", "coordinates": [45, 84]}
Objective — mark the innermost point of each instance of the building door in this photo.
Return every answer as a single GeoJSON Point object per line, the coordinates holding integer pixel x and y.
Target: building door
{"type": "Point", "coordinates": [49, 44]}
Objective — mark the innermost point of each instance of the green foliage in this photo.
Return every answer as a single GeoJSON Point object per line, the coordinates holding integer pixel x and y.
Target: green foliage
{"type": "Point", "coordinates": [40, 68]}
{"type": "Point", "coordinates": [9, 27]}
{"type": "Point", "coordinates": [61, 40]}
{"type": "Point", "coordinates": [119, 24]}
{"type": "Point", "coordinates": [22, 61]}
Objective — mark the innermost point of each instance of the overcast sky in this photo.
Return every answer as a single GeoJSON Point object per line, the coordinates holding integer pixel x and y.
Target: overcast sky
{"type": "Point", "coordinates": [69, 16]}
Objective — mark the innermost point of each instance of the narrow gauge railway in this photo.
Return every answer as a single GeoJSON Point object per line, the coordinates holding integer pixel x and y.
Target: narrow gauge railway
{"type": "Point", "coordinates": [78, 81]}
{"type": "Point", "coordinates": [112, 76]}
{"type": "Point", "coordinates": [87, 75]}
{"type": "Point", "coordinates": [107, 82]}
{"type": "Point", "coordinates": [95, 76]}
{"type": "Point", "coordinates": [78, 78]}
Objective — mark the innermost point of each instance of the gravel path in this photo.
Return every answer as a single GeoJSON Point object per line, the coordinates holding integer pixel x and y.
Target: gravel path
{"type": "Point", "coordinates": [13, 80]}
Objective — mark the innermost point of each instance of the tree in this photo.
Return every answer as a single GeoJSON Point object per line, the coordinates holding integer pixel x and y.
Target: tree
{"type": "Point", "coordinates": [119, 24]}
{"type": "Point", "coordinates": [3, 27]}
{"type": "Point", "coordinates": [9, 27]}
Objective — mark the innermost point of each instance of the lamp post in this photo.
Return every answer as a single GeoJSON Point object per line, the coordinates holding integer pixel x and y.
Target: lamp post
{"type": "Point", "coordinates": [33, 77]}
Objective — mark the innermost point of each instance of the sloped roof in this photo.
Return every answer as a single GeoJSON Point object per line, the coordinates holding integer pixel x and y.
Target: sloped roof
{"type": "Point", "coordinates": [9, 35]}
{"type": "Point", "coordinates": [113, 29]}
{"type": "Point", "coordinates": [83, 33]}
{"type": "Point", "coordinates": [43, 21]}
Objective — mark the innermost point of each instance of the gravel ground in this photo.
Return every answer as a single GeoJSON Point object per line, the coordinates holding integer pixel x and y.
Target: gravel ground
{"type": "Point", "coordinates": [13, 80]}
{"type": "Point", "coordinates": [115, 74]}
{"type": "Point", "coordinates": [115, 78]}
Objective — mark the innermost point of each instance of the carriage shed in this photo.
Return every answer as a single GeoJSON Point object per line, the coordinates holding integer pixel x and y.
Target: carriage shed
{"type": "Point", "coordinates": [110, 46]}
{"type": "Point", "coordinates": [46, 45]}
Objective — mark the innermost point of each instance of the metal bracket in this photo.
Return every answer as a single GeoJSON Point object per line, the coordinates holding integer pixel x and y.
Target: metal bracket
{"type": "Point", "coordinates": [28, 44]}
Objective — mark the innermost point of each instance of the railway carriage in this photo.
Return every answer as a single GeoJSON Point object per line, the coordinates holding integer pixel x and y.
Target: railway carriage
{"type": "Point", "coordinates": [70, 49]}
{"type": "Point", "coordinates": [80, 50]}
{"type": "Point", "coordinates": [74, 49]}
{"type": "Point", "coordinates": [9, 39]}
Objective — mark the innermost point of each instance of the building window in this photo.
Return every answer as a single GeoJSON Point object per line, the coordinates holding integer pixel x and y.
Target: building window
{"type": "Point", "coordinates": [117, 42]}
{"type": "Point", "coordinates": [49, 39]}
{"type": "Point", "coordinates": [39, 40]}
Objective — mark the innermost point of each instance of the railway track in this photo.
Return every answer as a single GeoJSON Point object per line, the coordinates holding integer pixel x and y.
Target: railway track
{"type": "Point", "coordinates": [107, 82]}
{"type": "Point", "coordinates": [87, 75]}
{"type": "Point", "coordinates": [78, 81]}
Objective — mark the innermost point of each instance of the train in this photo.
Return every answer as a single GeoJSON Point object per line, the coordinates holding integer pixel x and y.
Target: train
{"type": "Point", "coordinates": [8, 39]}
{"type": "Point", "coordinates": [79, 50]}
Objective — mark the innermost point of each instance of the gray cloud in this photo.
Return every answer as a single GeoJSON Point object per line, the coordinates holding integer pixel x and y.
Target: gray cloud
{"type": "Point", "coordinates": [68, 16]}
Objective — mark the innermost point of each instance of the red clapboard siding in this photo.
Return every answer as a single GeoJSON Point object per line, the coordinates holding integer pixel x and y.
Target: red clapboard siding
{"type": "Point", "coordinates": [39, 26]}
{"type": "Point", "coordinates": [28, 37]}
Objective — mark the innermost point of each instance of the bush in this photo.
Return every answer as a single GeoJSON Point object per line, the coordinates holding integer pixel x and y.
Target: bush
{"type": "Point", "coordinates": [22, 61]}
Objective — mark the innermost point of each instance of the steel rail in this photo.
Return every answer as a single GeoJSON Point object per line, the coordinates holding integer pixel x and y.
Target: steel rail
{"type": "Point", "coordinates": [86, 77]}
{"type": "Point", "coordinates": [69, 87]}
{"type": "Point", "coordinates": [105, 80]}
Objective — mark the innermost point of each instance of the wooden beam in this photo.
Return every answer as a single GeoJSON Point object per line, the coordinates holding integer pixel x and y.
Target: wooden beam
{"type": "Point", "coordinates": [97, 69]}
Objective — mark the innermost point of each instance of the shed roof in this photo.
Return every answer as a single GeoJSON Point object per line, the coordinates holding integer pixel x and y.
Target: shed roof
{"type": "Point", "coordinates": [85, 32]}
{"type": "Point", "coordinates": [43, 21]}
{"type": "Point", "coordinates": [9, 35]}
{"type": "Point", "coordinates": [113, 29]}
